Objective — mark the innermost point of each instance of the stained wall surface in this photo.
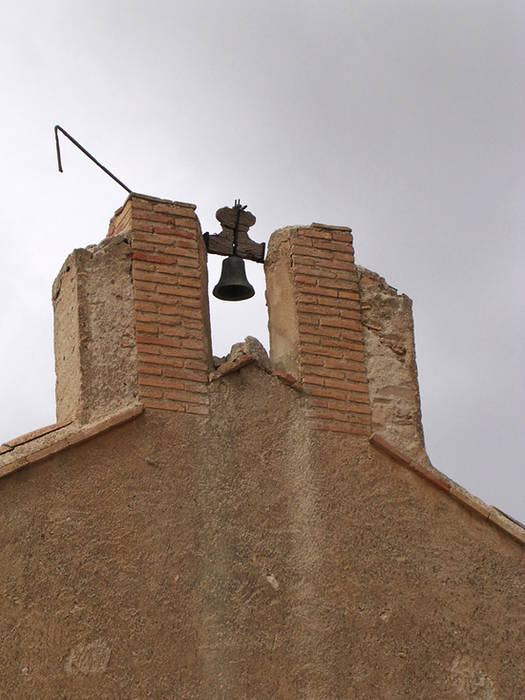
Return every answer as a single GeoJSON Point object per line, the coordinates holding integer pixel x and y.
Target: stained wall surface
{"type": "Point", "coordinates": [246, 555]}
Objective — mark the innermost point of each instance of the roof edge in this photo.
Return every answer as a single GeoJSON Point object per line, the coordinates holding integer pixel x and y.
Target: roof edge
{"type": "Point", "coordinates": [65, 436]}
{"type": "Point", "coordinates": [457, 492]}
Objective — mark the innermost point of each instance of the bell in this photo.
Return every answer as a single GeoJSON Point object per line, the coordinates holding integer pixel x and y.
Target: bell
{"type": "Point", "coordinates": [233, 285]}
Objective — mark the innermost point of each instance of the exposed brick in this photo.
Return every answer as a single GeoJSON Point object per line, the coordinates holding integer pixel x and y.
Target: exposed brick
{"type": "Point", "coordinates": [143, 246]}
{"type": "Point", "coordinates": [179, 352]}
{"type": "Point", "coordinates": [338, 322]}
{"type": "Point", "coordinates": [160, 382]}
{"type": "Point", "coordinates": [141, 203]}
{"type": "Point", "coordinates": [163, 404]}
{"type": "Point", "coordinates": [148, 349]}
{"type": "Point", "coordinates": [345, 365]}
{"type": "Point", "coordinates": [146, 257]}
{"type": "Point", "coordinates": [150, 392]}
{"type": "Point", "coordinates": [139, 213]}
{"type": "Point", "coordinates": [321, 350]}
{"type": "Point", "coordinates": [316, 272]}
{"type": "Point", "coordinates": [180, 291]}
{"type": "Point", "coordinates": [196, 364]}
{"type": "Point", "coordinates": [188, 374]}
{"type": "Point", "coordinates": [316, 291]}
{"type": "Point", "coordinates": [320, 253]}
{"type": "Point", "coordinates": [145, 368]}
{"type": "Point", "coordinates": [186, 397]}
{"type": "Point", "coordinates": [323, 371]}
{"type": "Point", "coordinates": [347, 386]}
{"type": "Point", "coordinates": [151, 276]}
{"type": "Point", "coordinates": [144, 286]}
{"type": "Point", "coordinates": [150, 328]}
{"type": "Point", "coordinates": [315, 233]}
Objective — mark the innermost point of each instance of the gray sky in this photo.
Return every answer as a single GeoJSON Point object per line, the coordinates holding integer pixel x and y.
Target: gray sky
{"type": "Point", "coordinates": [401, 119]}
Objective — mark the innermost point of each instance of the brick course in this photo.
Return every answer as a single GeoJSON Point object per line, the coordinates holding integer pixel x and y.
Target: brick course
{"type": "Point", "coordinates": [171, 302]}
{"type": "Point", "coordinates": [329, 353]}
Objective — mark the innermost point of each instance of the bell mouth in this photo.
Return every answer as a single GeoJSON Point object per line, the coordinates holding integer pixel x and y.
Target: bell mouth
{"type": "Point", "coordinates": [233, 292]}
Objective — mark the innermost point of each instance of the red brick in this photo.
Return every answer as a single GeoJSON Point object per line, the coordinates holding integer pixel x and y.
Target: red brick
{"type": "Point", "coordinates": [144, 266]}
{"type": "Point", "coordinates": [316, 291]}
{"type": "Point", "coordinates": [144, 286]}
{"type": "Point", "coordinates": [143, 246]}
{"type": "Point", "coordinates": [347, 386]}
{"type": "Point", "coordinates": [326, 393]}
{"type": "Point", "coordinates": [186, 396]}
{"type": "Point", "coordinates": [148, 349]}
{"type": "Point", "coordinates": [162, 361]}
{"type": "Point", "coordinates": [325, 372]}
{"type": "Point", "coordinates": [196, 364]}
{"type": "Point", "coordinates": [345, 364]}
{"type": "Point", "coordinates": [322, 254]}
{"type": "Point", "coordinates": [192, 343]}
{"type": "Point", "coordinates": [146, 257]}
{"type": "Point", "coordinates": [150, 215]}
{"type": "Point", "coordinates": [316, 233]}
{"type": "Point", "coordinates": [313, 360]}
{"type": "Point", "coordinates": [163, 208]}
{"type": "Point", "coordinates": [312, 379]}
{"type": "Point", "coordinates": [150, 392]}
{"type": "Point", "coordinates": [167, 229]}
{"type": "Point", "coordinates": [345, 236]}
{"type": "Point", "coordinates": [321, 350]}
{"type": "Point", "coordinates": [310, 280]}
{"type": "Point", "coordinates": [179, 352]}
{"type": "Point", "coordinates": [138, 203]}
{"type": "Point", "coordinates": [145, 368]}
{"type": "Point", "coordinates": [338, 322]}
{"type": "Point", "coordinates": [150, 328]}
{"type": "Point", "coordinates": [163, 404]}
{"type": "Point", "coordinates": [341, 284]}
{"type": "Point", "coordinates": [187, 374]}
{"type": "Point", "coordinates": [316, 272]}
{"type": "Point", "coordinates": [155, 238]}
{"type": "Point", "coordinates": [160, 382]}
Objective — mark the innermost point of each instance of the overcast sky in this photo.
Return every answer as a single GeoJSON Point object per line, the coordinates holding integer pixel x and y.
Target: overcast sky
{"type": "Point", "coordinates": [404, 120]}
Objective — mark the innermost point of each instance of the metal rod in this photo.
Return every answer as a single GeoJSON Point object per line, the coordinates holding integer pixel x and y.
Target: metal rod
{"type": "Point", "coordinates": [237, 206]}
{"type": "Point", "coordinates": [76, 143]}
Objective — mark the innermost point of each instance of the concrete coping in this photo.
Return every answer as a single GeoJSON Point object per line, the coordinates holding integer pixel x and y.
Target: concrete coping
{"type": "Point", "coordinates": [466, 499]}
{"type": "Point", "coordinates": [46, 442]}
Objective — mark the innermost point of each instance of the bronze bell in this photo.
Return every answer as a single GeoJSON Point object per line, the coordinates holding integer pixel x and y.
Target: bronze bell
{"type": "Point", "coordinates": [233, 285]}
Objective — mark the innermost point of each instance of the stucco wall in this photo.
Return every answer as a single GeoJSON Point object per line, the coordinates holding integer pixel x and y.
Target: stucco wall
{"type": "Point", "coordinates": [390, 356]}
{"type": "Point", "coordinates": [95, 349]}
{"type": "Point", "coordinates": [244, 555]}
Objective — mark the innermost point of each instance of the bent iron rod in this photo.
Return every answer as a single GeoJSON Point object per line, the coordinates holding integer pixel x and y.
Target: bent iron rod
{"type": "Point", "coordinates": [76, 143]}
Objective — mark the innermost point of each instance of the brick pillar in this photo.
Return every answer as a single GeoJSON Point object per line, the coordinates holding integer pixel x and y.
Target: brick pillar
{"type": "Point", "coordinates": [170, 285]}
{"type": "Point", "coordinates": [315, 326]}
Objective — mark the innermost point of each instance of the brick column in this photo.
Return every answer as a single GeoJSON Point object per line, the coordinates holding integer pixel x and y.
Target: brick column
{"type": "Point", "coordinates": [170, 280]}
{"type": "Point", "coordinates": [315, 325]}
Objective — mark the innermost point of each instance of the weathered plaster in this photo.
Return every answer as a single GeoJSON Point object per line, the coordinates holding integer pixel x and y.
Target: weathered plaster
{"type": "Point", "coordinates": [388, 331]}
{"type": "Point", "coordinates": [95, 349]}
